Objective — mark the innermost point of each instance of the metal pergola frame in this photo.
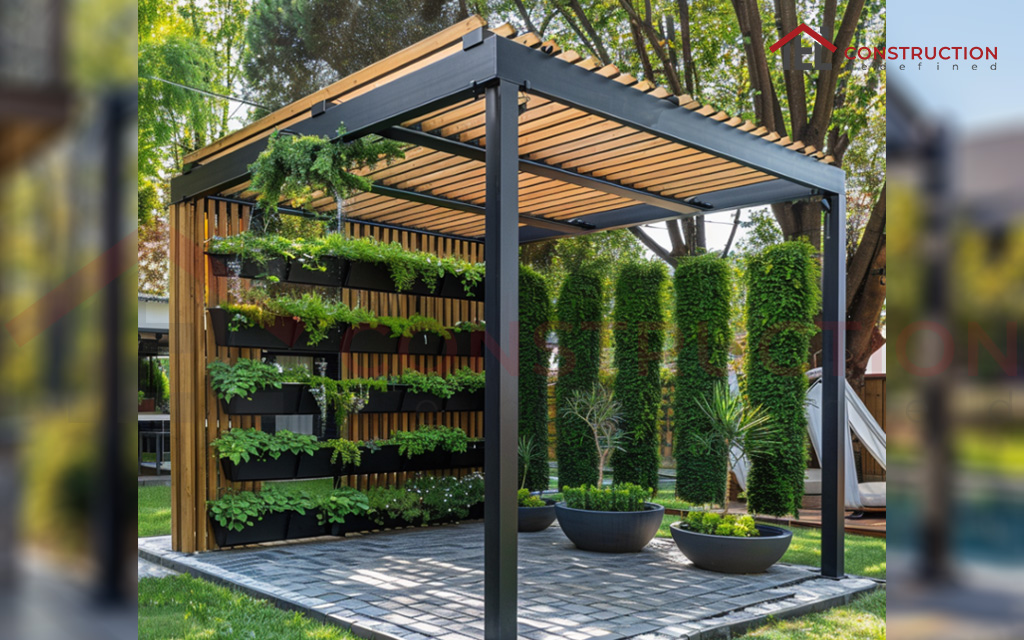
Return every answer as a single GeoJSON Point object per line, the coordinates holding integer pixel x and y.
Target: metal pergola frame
{"type": "Point", "coordinates": [499, 69]}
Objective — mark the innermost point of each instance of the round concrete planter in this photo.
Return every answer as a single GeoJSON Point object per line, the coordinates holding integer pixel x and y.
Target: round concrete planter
{"type": "Point", "coordinates": [728, 554]}
{"type": "Point", "coordinates": [610, 531]}
{"type": "Point", "coordinates": [536, 518]}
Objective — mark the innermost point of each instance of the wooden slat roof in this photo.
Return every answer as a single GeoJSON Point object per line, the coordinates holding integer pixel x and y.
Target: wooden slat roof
{"type": "Point", "coordinates": [551, 133]}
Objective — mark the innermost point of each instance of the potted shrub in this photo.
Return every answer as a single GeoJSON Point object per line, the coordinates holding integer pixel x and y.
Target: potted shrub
{"type": "Point", "coordinates": [430, 446]}
{"type": "Point", "coordinates": [248, 518]}
{"type": "Point", "coordinates": [339, 510]}
{"type": "Point", "coordinates": [720, 542]}
{"type": "Point", "coordinates": [615, 520]}
{"type": "Point", "coordinates": [146, 405]}
{"type": "Point", "coordinates": [535, 513]}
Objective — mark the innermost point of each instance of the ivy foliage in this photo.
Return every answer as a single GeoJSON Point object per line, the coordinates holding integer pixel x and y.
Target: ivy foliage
{"type": "Point", "coordinates": [534, 359]}
{"type": "Point", "coordinates": [580, 309]}
{"type": "Point", "coordinates": [782, 299]}
{"type": "Point", "coordinates": [703, 334]}
{"type": "Point", "coordinates": [639, 339]}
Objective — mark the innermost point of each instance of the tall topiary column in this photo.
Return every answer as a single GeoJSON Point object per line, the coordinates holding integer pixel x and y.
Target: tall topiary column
{"type": "Point", "coordinates": [782, 298]}
{"type": "Point", "coordinates": [703, 292]}
{"type": "Point", "coordinates": [534, 360]}
{"type": "Point", "coordinates": [580, 305]}
{"type": "Point", "coordinates": [639, 339]}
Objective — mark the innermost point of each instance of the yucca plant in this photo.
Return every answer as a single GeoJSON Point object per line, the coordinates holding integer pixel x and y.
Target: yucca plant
{"type": "Point", "coordinates": [599, 410]}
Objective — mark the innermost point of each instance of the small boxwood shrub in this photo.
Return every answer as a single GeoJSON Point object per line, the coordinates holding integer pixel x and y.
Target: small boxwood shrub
{"type": "Point", "coordinates": [620, 497]}
{"type": "Point", "coordinates": [716, 524]}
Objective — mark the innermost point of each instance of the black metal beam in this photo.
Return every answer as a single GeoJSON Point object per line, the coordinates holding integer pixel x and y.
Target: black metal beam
{"type": "Point", "coordinates": [552, 78]}
{"type": "Point", "coordinates": [501, 415]}
{"type": "Point", "coordinates": [474, 152]}
{"type": "Point", "coordinates": [833, 392]}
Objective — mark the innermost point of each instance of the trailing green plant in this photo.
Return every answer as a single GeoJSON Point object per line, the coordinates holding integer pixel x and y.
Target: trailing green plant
{"type": "Point", "coordinates": [639, 340]}
{"type": "Point", "coordinates": [253, 247]}
{"type": "Point", "coordinates": [782, 299]}
{"type": "Point", "coordinates": [703, 290]}
{"type": "Point", "coordinates": [242, 445]}
{"type": "Point", "coordinates": [428, 438]}
{"type": "Point", "coordinates": [580, 310]}
{"type": "Point", "coordinates": [341, 503]}
{"type": "Point", "coordinates": [247, 316]}
{"type": "Point", "coordinates": [395, 503]}
{"type": "Point", "coordinates": [295, 168]}
{"type": "Point", "coordinates": [348, 451]}
{"type": "Point", "coordinates": [448, 497]}
{"type": "Point", "coordinates": [467, 380]}
{"type": "Point", "coordinates": [470, 274]}
{"type": "Point", "coordinates": [419, 382]}
{"type": "Point", "coordinates": [620, 497]}
{"type": "Point", "coordinates": [601, 412]}
{"type": "Point", "coordinates": [343, 396]}
{"type": "Point", "coordinates": [242, 379]}
{"type": "Point", "coordinates": [527, 499]}
{"type": "Point", "coordinates": [715, 524]}
{"type": "Point", "coordinates": [534, 361]}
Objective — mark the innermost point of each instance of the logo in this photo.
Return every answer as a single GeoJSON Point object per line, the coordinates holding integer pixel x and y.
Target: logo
{"type": "Point", "coordinates": [793, 54]}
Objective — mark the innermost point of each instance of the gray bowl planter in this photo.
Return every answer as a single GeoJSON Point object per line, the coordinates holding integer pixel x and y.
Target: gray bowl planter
{"type": "Point", "coordinates": [610, 531]}
{"type": "Point", "coordinates": [536, 518]}
{"type": "Point", "coordinates": [728, 554]}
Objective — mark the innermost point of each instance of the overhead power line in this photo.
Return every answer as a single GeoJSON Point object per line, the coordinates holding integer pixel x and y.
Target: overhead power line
{"type": "Point", "coordinates": [206, 93]}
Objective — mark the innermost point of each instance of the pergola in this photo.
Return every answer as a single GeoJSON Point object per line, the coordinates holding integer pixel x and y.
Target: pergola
{"type": "Point", "coordinates": [512, 140]}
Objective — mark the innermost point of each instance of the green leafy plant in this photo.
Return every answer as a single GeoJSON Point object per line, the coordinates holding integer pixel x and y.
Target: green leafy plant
{"type": "Point", "coordinates": [465, 326]}
{"type": "Point", "coordinates": [601, 412]}
{"type": "Point", "coordinates": [253, 247]}
{"type": "Point", "coordinates": [721, 525]}
{"type": "Point", "coordinates": [242, 379]}
{"type": "Point", "coordinates": [527, 451]}
{"type": "Point", "coordinates": [341, 503]}
{"type": "Point", "coordinates": [526, 499]}
{"type": "Point", "coordinates": [448, 497]}
{"type": "Point", "coordinates": [396, 504]}
{"type": "Point", "coordinates": [703, 287]}
{"type": "Point", "coordinates": [295, 168]}
{"type": "Point", "coordinates": [621, 497]}
{"type": "Point", "coordinates": [347, 451]}
{"type": "Point", "coordinates": [142, 396]}
{"type": "Point", "coordinates": [468, 273]}
{"type": "Point", "coordinates": [242, 445]}
{"type": "Point", "coordinates": [467, 380]}
{"type": "Point", "coordinates": [639, 339]}
{"type": "Point", "coordinates": [420, 382]}
{"type": "Point", "coordinates": [782, 299]}
{"type": "Point", "coordinates": [534, 360]}
{"type": "Point", "coordinates": [237, 510]}
{"type": "Point", "coordinates": [430, 438]}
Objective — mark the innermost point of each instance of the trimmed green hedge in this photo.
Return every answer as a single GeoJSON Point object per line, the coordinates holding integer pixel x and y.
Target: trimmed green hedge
{"type": "Point", "coordinates": [534, 359]}
{"type": "Point", "coordinates": [703, 334]}
{"type": "Point", "coordinates": [782, 299]}
{"type": "Point", "coordinates": [639, 340]}
{"type": "Point", "coordinates": [580, 309]}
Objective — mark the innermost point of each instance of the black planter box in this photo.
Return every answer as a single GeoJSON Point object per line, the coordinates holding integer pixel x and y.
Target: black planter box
{"type": "Point", "coordinates": [307, 405]}
{"type": "Point", "coordinates": [304, 526]}
{"type": "Point", "coordinates": [422, 402]}
{"type": "Point", "coordinates": [438, 459]}
{"type": "Point", "coordinates": [273, 526]}
{"type": "Point", "coordinates": [383, 460]}
{"type": "Point", "coordinates": [473, 456]}
{"type": "Point", "coordinates": [275, 267]}
{"type": "Point", "coordinates": [369, 275]}
{"type": "Point", "coordinates": [317, 465]}
{"type": "Point", "coordinates": [388, 401]}
{"type": "Point", "coordinates": [422, 343]}
{"type": "Point", "coordinates": [269, 469]}
{"type": "Point", "coordinates": [452, 287]}
{"type": "Point", "coordinates": [464, 344]}
{"type": "Point", "coordinates": [330, 344]}
{"type": "Point", "coordinates": [366, 339]}
{"type": "Point", "coordinates": [334, 272]}
{"type": "Point", "coordinates": [290, 399]}
{"type": "Point", "coordinates": [280, 335]}
{"type": "Point", "coordinates": [465, 401]}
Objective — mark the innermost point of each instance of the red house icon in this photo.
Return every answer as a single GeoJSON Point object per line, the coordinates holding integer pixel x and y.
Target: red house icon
{"type": "Point", "coordinates": [792, 53]}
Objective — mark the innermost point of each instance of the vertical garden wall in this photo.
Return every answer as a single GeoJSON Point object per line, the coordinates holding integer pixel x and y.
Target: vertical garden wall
{"type": "Point", "coordinates": [703, 291]}
{"type": "Point", "coordinates": [639, 339]}
{"type": "Point", "coordinates": [782, 298]}
{"type": "Point", "coordinates": [580, 308]}
{"type": "Point", "coordinates": [534, 359]}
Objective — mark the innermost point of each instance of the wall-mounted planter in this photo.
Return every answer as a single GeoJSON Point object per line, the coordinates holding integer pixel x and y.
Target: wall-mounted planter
{"type": "Point", "coordinates": [288, 400]}
{"type": "Point", "coordinates": [422, 343]}
{"type": "Point", "coordinates": [274, 267]}
{"type": "Point", "coordinates": [374, 276]}
{"type": "Point", "coordinates": [333, 273]}
{"type": "Point", "coordinates": [366, 339]}
{"type": "Point", "coordinates": [304, 525]}
{"type": "Point", "coordinates": [472, 457]}
{"type": "Point", "coordinates": [464, 344]}
{"type": "Point", "coordinates": [453, 287]}
{"type": "Point", "coordinates": [317, 465]}
{"type": "Point", "coordinates": [280, 335]}
{"type": "Point", "coordinates": [330, 344]}
{"type": "Point", "coordinates": [384, 460]}
{"type": "Point", "coordinates": [273, 526]}
{"type": "Point", "coordinates": [387, 401]}
{"type": "Point", "coordinates": [283, 468]}
{"type": "Point", "coordinates": [420, 402]}
{"type": "Point", "coordinates": [437, 459]}
{"type": "Point", "coordinates": [465, 401]}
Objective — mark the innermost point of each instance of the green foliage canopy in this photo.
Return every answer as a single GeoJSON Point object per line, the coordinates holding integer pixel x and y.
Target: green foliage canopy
{"type": "Point", "coordinates": [534, 359]}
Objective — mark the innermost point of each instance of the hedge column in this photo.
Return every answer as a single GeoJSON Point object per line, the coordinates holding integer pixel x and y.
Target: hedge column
{"type": "Point", "coordinates": [534, 359]}
{"type": "Point", "coordinates": [703, 291]}
{"type": "Point", "coordinates": [782, 299]}
{"type": "Point", "coordinates": [579, 356]}
{"type": "Point", "coordinates": [639, 339]}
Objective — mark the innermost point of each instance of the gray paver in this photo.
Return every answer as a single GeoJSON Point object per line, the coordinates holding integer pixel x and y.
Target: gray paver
{"type": "Point", "coordinates": [429, 583]}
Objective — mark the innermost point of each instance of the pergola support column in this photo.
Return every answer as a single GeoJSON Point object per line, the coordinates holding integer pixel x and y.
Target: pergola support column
{"type": "Point", "coordinates": [833, 380]}
{"type": "Point", "coordinates": [501, 314]}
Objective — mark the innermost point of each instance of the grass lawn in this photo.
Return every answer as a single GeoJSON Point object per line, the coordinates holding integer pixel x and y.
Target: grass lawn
{"type": "Point", "coordinates": [862, 619]}
{"type": "Point", "coordinates": [185, 608]}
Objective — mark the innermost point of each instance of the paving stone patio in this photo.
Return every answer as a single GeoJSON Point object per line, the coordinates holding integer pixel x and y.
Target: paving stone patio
{"type": "Point", "coordinates": [428, 583]}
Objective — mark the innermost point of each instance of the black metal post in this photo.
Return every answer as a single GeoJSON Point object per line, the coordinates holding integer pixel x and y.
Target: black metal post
{"type": "Point", "coordinates": [501, 313]}
{"type": "Point", "coordinates": [833, 397]}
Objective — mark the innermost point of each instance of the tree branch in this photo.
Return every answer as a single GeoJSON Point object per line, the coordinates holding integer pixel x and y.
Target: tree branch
{"type": "Point", "coordinates": [872, 238]}
{"type": "Point", "coordinates": [732, 234]}
{"type": "Point", "coordinates": [656, 248]}
{"type": "Point", "coordinates": [796, 92]}
{"type": "Point", "coordinates": [525, 15]}
{"type": "Point", "coordinates": [824, 100]}
{"type": "Point", "coordinates": [577, 9]}
{"type": "Point", "coordinates": [657, 44]}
